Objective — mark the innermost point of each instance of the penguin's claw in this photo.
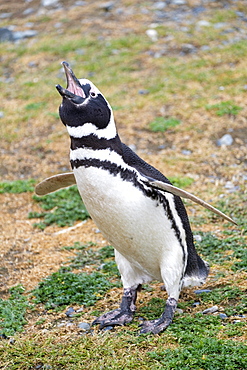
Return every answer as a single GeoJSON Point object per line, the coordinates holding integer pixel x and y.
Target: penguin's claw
{"type": "Point", "coordinates": [154, 326]}
{"type": "Point", "coordinates": [160, 324]}
{"type": "Point", "coordinates": [114, 318]}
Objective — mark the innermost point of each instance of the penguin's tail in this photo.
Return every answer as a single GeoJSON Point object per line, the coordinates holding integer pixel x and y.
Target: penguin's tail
{"type": "Point", "coordinates": [198, 275]}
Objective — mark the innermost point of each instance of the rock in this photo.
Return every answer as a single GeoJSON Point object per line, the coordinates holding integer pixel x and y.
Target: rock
{"type": "Point", "coordinates": [198, 238]}
{"type": "Point", "coordinates": [186, 152]}
{"type": "Point", "coordinates": [70, 312]}
{"type": "Point", "coordinates": [1, 114]}
{"type": "Point", "coordinates": [201, 291]}
{"type": "Point", "coordinates": [6, 35]}
{"type": "Point", "coordinates": [84, 326]}
{"type": "Point", "coordinates": [152, 34]}
{"type": "Point", "coordinates": [19, 35]}
{"type": "Point", "coordinates": [159, 5]}
{"type": "Point", "coordinates": [203, 23]}
{"type": "Point", "coordinates": [108, 6]}
{"type": "Point", "coordinates": [210, 310]}
{"type": "Point", "coordinates": [5, 15]}
{"type": "Point", "coordinates": [143, 92]}
{"type": "Point", "coordinates": [223, 316]}
{"type": "Point", "coordinates": [188, 48]}
{"type": "Point", "coordinates": [179, 2]}
{"type": "Point", "coordinates": [47, 3]}
{"type": "Point", "coordinates": [108, 328]}
{"type": "Point", "coordinates": [225, 140]}
{"type": "Point", "coordinates": [195, 304]}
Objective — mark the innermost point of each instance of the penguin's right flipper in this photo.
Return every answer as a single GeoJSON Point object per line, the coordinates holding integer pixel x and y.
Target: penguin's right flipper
{"type": "Point", "coordinates": [185, 194]}
{"type": "Point", "coordinates": [55, 183]}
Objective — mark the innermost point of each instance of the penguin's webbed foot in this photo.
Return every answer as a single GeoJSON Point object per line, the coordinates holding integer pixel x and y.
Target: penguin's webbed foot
{"type": "Point", "coordinates": [113, 318]}
{"type": "Point", "coordinates": [158, 325]}
{"type": "Point", "coordinates": [122, 315]}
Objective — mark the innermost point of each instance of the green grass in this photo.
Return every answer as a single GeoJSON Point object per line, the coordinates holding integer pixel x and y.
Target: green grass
{"type": "Point", "coordinates": [65, 288]}
{"type": "Point", "coordinates": [12, 311]}
{"type": "Point", "coordinates": [18, 186]}
{"type": "Point", "coordinates": [161, 124]}
{"type": "Point", "coordinates": [225, 108]}
{"type": "Point", "coordinates": [65, 208]}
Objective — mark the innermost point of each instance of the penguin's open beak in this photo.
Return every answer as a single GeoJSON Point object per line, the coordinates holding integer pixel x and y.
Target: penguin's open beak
{"type": "Point", "coordinates": [74, 90]}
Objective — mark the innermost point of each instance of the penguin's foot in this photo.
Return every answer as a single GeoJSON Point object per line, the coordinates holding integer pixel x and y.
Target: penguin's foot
{"type": "Point", "coordinates": [122, 315]}
{"type": "Point", "coordinates": [158, 325]}
{"type": "Point", "coordinates": [113, 318]}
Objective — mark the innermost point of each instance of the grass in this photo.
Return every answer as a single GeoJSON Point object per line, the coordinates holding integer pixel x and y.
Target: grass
{"type": "Point", "coordinates": [225, 108]}
{"type": "Point", "coordinates": [17, 186]}
{"type": "Point", "coordinates": [12, 312]}
{"type": "Point", "coordinates": [160, 124]}
{"type": "Point", "coordinates": [65, 208]}
{"type": "Point", "coordinates": [121, 63]}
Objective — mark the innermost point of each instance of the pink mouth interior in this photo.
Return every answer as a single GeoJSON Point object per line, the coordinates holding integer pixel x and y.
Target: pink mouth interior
{"type": "Point", "coordinates": [74, 88]}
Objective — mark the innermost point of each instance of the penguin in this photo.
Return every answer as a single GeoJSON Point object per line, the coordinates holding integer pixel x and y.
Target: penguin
{"type": "Point", "coordinates": [133, 204]}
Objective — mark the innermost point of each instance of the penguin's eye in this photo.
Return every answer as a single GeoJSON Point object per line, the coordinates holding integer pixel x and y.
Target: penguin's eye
{"type": "Point", "coordinates": [93, 94]}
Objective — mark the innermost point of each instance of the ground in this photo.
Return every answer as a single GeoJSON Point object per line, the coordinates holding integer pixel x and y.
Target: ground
{"type": "Point", "coordinates": [185, 73]}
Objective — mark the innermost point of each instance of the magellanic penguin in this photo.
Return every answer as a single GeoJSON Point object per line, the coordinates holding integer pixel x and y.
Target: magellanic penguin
{"type": "Point", "coordinates": [129, 202]}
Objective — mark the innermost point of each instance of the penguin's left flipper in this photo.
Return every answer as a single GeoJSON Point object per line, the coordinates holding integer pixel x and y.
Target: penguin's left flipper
{"type": "Point", "coordinates": [55, 183]}
{"type": "Point", "coordinates": [185, 194]}
{"type": "Point", "coordinates": [159, 325]}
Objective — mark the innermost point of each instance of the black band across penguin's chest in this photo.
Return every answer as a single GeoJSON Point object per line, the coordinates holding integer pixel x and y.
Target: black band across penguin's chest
{"type": "Point", "coordinates": [129, 175]}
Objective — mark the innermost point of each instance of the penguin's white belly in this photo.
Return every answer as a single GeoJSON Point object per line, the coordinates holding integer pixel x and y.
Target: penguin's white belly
{"type": "Point", "coordinates": [133, 223]}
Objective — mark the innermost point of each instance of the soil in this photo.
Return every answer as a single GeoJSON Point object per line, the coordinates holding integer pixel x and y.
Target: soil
{"type": "Point", "coordinates": [28, 254]}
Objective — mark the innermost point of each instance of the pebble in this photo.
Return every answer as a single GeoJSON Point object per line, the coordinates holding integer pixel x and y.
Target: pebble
{"type": "Point", "coordinates": [152, 34]}
{"type": "Point", "coordinates": [1, 114]}
{"type": "Point", "coordinates": [226, 139]}
{"type": "Point", "coordinates": [6, 35]}
{"type": "Point", "coordinates": [46, 3]}
{"type": "Point", "coordinates": [210, 310]}
{"type": "Point", "coordinates": [223, 316]}
{"type": "Point", "coordinates": [70, 312]}
{"type": "Point", "coordinates": [84, 326]}
{"type": "Point", "coordinates": [203, 23]}
{"type": "Point", "coordinates": [108, 328]}
{"type": "Point", "coordinates": [198, 238]}
{"type": "Point", "coordinates": [195, 304]}
{"type": "Point", "coordinates": [188, 48]}
{"type": "Point", "coordinates": [201, 291]}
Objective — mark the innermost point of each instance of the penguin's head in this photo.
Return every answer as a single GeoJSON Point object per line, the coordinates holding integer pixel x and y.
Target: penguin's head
{"type": "Point", "coordinates": [84, 110]}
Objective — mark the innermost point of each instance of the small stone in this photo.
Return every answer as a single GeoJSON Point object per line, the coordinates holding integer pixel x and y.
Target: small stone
{"type": "Point", "coordinates": [18, 35]}
{"type": "Point", "coordinates": [195, 304]}
{"type": "Point", "coordinates": [107, 6]}
{"type": "Point", "coordinates": [84, 326]}
{"type": "Point", "coordinates": [203, 23]}
{"type": "Point", "coordinates": [108, 328]}
{"type": "Point", "coordinates": [198, 238]}
{"type": "Point", "coordinates": [5, 15]}
{"type": "Point", "coordinates": [159, 5]}
{"type": "Point", "coordinates": [6, 35]}
{"type": "Point", "coordinates": [188, 48]}
{"type": "Point", "coordinates": [178, 2]}
{"type": "Point", "coordinates": [143, 92]}
{"type": "Point", "coordinates": [179, 311]}
{"type": "Point", "coordinates": [46, 3]}
{"type": "Point", "coordinates": [225, 140]}
{"type": "Point", "coordinates": [28, 11]}
{"type": "Point", "coordinates": [1, 114]}
{"type": "Point", "coordinates": [152, 34]}
{"type": "Point", "coordinates": [210, 310]}
{"type": "Point", "coordinates": [186, 152]}
{"type": "Point", "coordinates": [70, 312]}
{"type": "Point", "coordinates": [201, 291]}
{"type": "Point", "coordinates": [223, 316]}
